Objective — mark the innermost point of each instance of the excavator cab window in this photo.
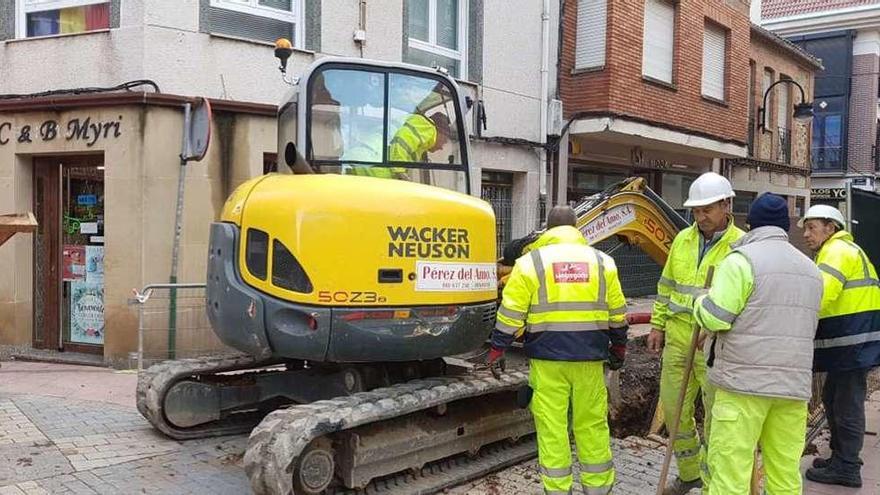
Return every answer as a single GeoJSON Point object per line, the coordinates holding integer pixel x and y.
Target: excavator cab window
{"type": "Point", "coordinates": [387, 123]}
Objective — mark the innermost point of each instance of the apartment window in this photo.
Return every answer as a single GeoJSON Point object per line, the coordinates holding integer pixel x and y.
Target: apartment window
{"type": "Point", "coordinates": [260, 20]}
{"type": "Point", "coordinates": [714, 61]}
{"type": "Point", "coordinates": [590, 43]}
{"type": "Point", "coordinates": [437, 31]}
{"type": "Point", "coordinates": [657, 43]}
{"type": "Point", "coordinates": [53, 17]}
{"type": "Point", "coordinates": [828, 131]}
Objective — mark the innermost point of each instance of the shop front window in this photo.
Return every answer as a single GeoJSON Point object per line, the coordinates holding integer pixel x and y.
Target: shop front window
{"type": "Point", "coordinates": [53, 17]}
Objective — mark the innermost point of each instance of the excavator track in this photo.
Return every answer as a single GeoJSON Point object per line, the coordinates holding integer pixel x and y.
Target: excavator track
{"type": "Point", "coordinates": [154, 383]}
{"type": "Point", "coordinates": [279, 445]}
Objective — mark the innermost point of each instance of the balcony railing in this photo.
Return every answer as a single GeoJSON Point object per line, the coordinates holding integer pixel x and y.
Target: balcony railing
{"type": "Point", "coordinates": [783, 145]}
{"type": "Point", "coordinates": [827, 158]}
{"type": "Point", "coordinates": [751, 136]}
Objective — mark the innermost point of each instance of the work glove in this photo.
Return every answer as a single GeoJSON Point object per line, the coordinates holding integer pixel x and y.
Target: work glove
{"type": "Point", "coordinates": [494, 355]}
{"type": "Point", "coordinates": [495, 362]}
{"type": "Point", "coordinates": [616, 356]}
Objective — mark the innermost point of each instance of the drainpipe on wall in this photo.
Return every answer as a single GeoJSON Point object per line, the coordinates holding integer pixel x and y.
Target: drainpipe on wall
{"type": "Point", "coordinates": [360, 36]}
{"type": "Point", "coordinates": [545, 85]}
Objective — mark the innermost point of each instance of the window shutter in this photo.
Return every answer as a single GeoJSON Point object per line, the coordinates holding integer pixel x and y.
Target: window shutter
{"type": "Point", "coordinates": [591, 23]}
{"type": "Point", "coordinates": [658, 40]}
{"type": "Point", "coordinates": [714, 59]}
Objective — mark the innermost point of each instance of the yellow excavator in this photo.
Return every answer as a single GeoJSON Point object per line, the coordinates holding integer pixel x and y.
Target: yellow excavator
{"type": "Point", "coordinates": [360, 291]}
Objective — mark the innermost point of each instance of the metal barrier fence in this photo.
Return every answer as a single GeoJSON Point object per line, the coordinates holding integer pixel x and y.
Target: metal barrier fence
{"type": "Point", "coordinates": [173, 324]}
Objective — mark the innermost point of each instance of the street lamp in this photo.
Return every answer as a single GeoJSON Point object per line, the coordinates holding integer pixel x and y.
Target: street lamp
{"type": "Point", "coordinates": [803, 111]}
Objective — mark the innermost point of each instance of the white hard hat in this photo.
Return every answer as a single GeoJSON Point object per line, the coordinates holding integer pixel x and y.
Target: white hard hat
{"type": "Point", "coordinates": [707, 189]}
{"type": "Point", "coordinates": [825, 212]}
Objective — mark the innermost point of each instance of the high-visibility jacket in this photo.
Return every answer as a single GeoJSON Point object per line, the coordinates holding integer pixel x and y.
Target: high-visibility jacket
{"type": "Point", "coordinates": [369, 149]}
{"type": "Point", "coordinates": [568, 297]}
{"type": "Point", "coordinates": [414, 138]}
{"type": "Point", "coordinates": [684, 275]}
{"type": "Point", "coordinates": [763, 307]}
{"type": "Point", "coordinates": [848, 337]}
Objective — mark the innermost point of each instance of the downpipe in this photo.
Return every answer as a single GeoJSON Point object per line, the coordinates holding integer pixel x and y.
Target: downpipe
{"type": "Point", "coordinates": [545, 86]}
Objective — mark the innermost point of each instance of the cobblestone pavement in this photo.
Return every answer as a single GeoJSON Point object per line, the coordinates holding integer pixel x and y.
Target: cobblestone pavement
{"type": "Point", "coordinates": [80, 433]}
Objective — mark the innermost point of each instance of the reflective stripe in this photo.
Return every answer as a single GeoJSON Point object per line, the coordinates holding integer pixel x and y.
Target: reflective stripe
{"type": "Point", "coordinates": [862, 282]}
{"type": "Point", "coordinates": [403, 144]}
{"type": "Point", "coordinates": [601, 275]}
{"type": "Point", "coordinates": [415, 132]}
{"type": "Point", "coordinates": [717, 311]}
{"type": "Point", "coordinates": [505, 328]}
{"type": "Point", "coordinates": [568, 326]}
{"type": "Point", "coordinates": [686, 436]}
{"type": "Point", "coordinates": [568, 306]}
{"type": "Point", "coordinates": [666, 281]}
{"type": "Point", "coordinates": [689, 289]}
{"type": "Point", "coordinates": [557, 492]}
{"type": "Point", "coordinates": [556, 472]}
{"type": "Point", "coordinates": [597, 468]}
{"type": "Point", "coordinates": [848, 340]}
{"type": "Point", "coordinates": [676, 308]}
{"type": "Point", "coordinates": [617, 311]}
{"type": "Point", "coordinates": [687, 453]}
{"type": "Point", "coordinates": [511, 313]}
{"type": "Point", "coordinates": [830, 270]}
{"type": "Point", "coordinates": [597, 490]}
{"type": "Point", "coordinates": [663, 299]}
{"type": "Point", "coordinates": [542, 281]}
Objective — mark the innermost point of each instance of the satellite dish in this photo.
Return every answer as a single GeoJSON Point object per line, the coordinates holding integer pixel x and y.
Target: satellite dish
{"type": "Point", "coordinates": [197, 130]}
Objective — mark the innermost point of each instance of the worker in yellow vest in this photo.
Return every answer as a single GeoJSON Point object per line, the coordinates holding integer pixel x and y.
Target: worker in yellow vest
{"type": "Point", "coordinates": [761, 312]}
{"type": "Point", "coordinates": [418, 136]}
{"type": "Point", "coordinates": [847, 341]}
{"type": "Point", "coordinates": [567, 296]}
{"type": "Point", "coordinates": [694, 250]}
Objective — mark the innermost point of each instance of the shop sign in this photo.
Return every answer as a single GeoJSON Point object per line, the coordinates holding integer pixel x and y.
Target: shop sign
{"type": "Point", "coordinates": [81, 129]}
{"type": "Point", "coordinates": [639, 159]}
{"type": "Point", "coordinates": [828, 193]}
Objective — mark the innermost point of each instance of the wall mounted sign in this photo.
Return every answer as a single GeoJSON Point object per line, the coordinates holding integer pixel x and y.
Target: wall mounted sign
{"type": "Point", "coordinates": [82, 129]}
{"type": "Point", "coordinates": [828, 193]}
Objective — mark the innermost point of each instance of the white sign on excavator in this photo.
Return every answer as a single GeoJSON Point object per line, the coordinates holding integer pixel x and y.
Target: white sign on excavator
{"type": "Point", "coordinates": [611, 220]}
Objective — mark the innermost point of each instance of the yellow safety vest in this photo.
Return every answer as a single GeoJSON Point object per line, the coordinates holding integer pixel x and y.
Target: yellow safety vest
{"type": "Point", "coordinates": [684, 275]}
{"type": "Point", "coordinates": [568, 297]}
{"type": "Point", "coordinates": [414, 138]}
{"type": "Point", "coordinates": [848, 336]}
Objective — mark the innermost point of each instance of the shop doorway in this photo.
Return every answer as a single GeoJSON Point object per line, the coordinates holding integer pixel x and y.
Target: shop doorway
{"type": "Point", "coordinates": [69, 254]}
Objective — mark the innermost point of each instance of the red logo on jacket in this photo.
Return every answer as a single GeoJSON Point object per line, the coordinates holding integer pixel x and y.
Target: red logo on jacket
{"type": "Point", "coordinates": [571, 273]}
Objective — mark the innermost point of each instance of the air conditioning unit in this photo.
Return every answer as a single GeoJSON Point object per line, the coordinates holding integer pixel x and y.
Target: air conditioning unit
{"type": "Point", "coordinates": [554, 118]}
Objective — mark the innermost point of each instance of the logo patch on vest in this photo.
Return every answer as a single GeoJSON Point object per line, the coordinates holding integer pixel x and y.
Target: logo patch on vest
{"type": "Point", "coordinates": [571, 273]}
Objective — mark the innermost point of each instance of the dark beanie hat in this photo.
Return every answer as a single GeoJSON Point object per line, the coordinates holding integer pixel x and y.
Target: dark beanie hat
{"type": "Point", "coordinates": [769, 209]}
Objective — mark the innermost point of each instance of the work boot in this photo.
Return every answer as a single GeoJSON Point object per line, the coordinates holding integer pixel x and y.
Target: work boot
{"type": "Point", "coordinates": [836, 474]}
{"type": "Point", "coordinates": [821, 462]}
{"type": "Point", "coordinates": [679, 486]}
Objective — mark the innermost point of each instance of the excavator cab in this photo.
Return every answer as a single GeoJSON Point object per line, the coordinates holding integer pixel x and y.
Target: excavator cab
{"type": "Point", "coordinates": [376, 119]}
{"type": "Point", "coordinates": [372, 251]}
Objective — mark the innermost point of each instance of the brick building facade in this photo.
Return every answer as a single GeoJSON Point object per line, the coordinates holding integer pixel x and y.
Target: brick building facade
{"type": "Point", "coordinates": [779, 144]}
{"type": "Point", "coordinates": [642, 97]}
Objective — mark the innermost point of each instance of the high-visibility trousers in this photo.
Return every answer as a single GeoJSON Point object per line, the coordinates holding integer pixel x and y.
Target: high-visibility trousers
{"type": "Point", "coordinates": [690, 453]}
{"type": "Point", "coordinates": [739, 423]}
{"type": "Point", "coordinates": [557, 384]}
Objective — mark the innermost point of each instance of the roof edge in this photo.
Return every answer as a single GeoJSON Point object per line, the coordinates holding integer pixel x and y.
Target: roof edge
{"type": "Point", "coordinates": [787, 46]}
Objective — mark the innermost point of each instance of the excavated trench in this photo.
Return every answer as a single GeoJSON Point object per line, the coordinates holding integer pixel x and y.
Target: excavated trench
{"type": "Point", "coordinates": [639, 391]}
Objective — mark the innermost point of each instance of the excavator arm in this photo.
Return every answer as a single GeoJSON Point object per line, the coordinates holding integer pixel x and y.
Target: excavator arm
{"type": "Point", "coordinates": [629, 210]}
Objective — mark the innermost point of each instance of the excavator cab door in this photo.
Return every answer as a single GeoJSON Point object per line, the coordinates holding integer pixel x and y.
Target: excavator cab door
{"type": "Point", "coordinates": [377, 119]}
